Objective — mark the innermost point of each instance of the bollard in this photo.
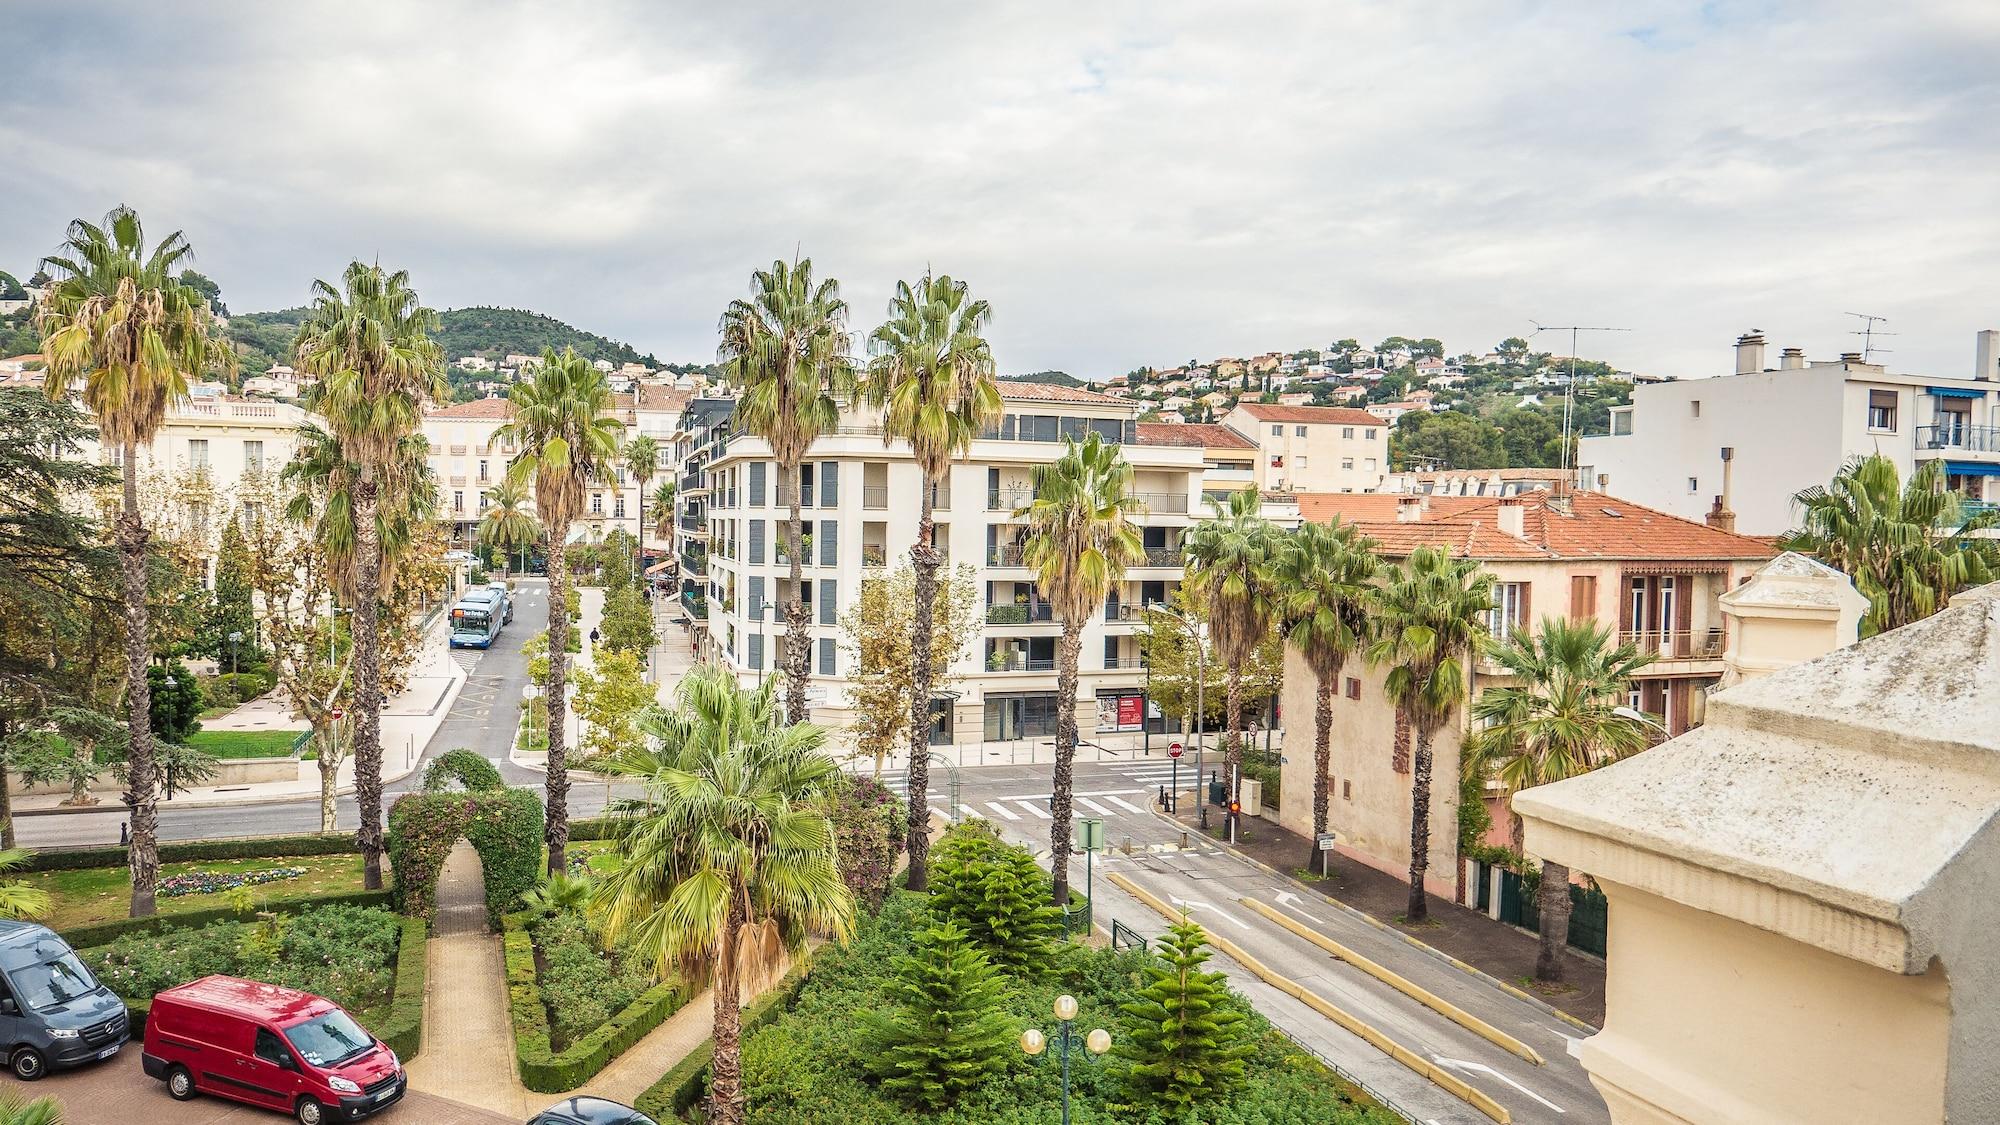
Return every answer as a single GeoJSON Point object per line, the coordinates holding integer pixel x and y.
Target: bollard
{"type": "Point", "coordinates": [1128, 845]}
{"type": "Point", "coordinates": [1184, 839]}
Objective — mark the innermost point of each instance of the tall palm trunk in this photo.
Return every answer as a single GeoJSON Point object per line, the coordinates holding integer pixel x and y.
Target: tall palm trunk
{"type": "Point", "coordinates": [725, 1084]}
{"type": "Point", "coordinates": [1555, 909]}
{"type": "Point", "coordinates": [142, 771]}
{"type": "Point", "coordinates": [798, 620]}
{"type": "Point", "coordinates": [1418, 909]}
{"type": "Point", "coordinates": [368, 686]}
{"type": "Point", "coordinates": [553, 696]}
{"type": "Point", "coordinates": [1322, 762]}
{"type": "Point", "coordinates": [1232, 749]}
{"type": "Point", "coordinates": [925, 555]}
{"type": "Point", "coordinates": [1059, 802]}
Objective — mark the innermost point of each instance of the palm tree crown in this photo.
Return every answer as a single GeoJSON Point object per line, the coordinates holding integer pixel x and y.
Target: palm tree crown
{"type": "Point", "coordinates": [369, 343]}
{"type": "Point", "coordinates": [932, 371]}
{"type": "Point", "coordinates": [1082, 531]}
{"type": "Point", "coordinates": [322, 495]}
{"type": "Point", "coordinates": [566, 432]}
{"type": "Point", "coordinates": [508, 523]}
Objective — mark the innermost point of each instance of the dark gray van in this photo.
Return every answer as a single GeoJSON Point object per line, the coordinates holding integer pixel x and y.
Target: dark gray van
{"type": "Point", "coordinates": [53, 1013]}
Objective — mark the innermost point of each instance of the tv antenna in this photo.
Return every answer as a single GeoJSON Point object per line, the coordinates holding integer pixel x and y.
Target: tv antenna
{"type": "Point", "coordinates": [1868, 332]}
{"type": "Point", "coordinates": [1569, 387]}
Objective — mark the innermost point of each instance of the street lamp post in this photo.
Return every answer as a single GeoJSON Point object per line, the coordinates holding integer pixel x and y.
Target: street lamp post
{"type": "Point", "coordinates": [235, 637]}
{"type": "Point", "coordinates": [170, 684]}
{"type": "Point", "coordinates": [1033, 1042]}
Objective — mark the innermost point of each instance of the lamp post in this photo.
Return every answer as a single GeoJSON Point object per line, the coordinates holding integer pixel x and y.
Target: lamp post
{"type": "Point", "coordinates": [235, 637]}
{"type": "Point", "coordinates": [529, 693]}
{"type": "Point", "coordinates": [1033, 1042]}
{"type": "Point", "coordinates": [170, 684]}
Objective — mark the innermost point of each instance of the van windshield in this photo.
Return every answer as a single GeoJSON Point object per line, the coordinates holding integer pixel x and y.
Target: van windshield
{"type": "Point", "coordinates": [330, 1040]}
{"type": "Point", "coordinates": [52, 983]}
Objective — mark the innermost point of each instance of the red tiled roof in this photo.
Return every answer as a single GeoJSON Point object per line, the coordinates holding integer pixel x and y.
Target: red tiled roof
{"type": "Point", "coordinates": [1049, 392]}
{"type": "Point", "coordinates": [1207, 435]}
{"type": "Point", "coordinates": [1369, 506]}
{"type": "Point", "coordinates": [655, 396]}
{"type": "Point", "coordinates": [1322, 415]}
{"type": "Point", "coordinates": [1467, 539]}
{"type": "Point", "coordinates": [486, 408]}
{"type": "Point", "coordinates": [1595, 527]}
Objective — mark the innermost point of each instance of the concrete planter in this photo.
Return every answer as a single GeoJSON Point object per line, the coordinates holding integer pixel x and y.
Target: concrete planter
{"type": "Point", "coordinates": [228, 771]}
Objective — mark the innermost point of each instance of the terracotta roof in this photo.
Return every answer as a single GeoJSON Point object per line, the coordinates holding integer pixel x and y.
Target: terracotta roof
{"type": "Point", "coordinates": [1467, 539]}
{"type": "Point", "coordinates": [486, 408]}
{"type": "Point", "coordinates": [656, 396]}
{"type": "Point", "coordinates": [1595, 527]}
{"type": "Point", "coordinates": [1322, 415]}
{"type": "Point", "coordinates": [1205, 435]}
{"type": "Point", "coordinates": [1049, 392]}
{"type": "Point", "coordinates": [1369, 506]}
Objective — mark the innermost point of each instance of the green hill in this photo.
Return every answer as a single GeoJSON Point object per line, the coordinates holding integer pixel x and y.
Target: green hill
{"type": "Point", "coordinates": [1055, 378]}
{"type": "Point", "coordinates": [264, 338]}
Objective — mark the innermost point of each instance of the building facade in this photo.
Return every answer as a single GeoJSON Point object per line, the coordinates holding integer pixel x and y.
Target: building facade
{"type": "Point", "coordinates": [1314, 448]}
{"type": "Point", "coordinates": [468, 458]}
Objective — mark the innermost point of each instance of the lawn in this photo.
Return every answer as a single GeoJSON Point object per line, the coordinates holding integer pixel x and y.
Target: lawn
{"type": "Point", "coordinates": [601, 853]}
{"type": "Point", "coordinates": [102, 894]}
{"type": "Point", "coordinates": [245, 743]}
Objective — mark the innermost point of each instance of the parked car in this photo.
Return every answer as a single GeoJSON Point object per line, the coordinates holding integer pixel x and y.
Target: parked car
{"type": "Point", "coordinates": [590, 1111]}
{"type": "Point", "coordinates": [269, 1046]}
{"type": "Point", "coordinates": [53, 1013]}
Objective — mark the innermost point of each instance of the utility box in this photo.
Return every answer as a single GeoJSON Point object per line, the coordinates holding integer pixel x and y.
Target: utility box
{"type": "Point", "coordinates": [1253, 797]}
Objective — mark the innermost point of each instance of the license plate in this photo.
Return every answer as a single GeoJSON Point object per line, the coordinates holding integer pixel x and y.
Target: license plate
{"type": "Point", "coordinates": [386, 1094]}
{"type": "Point", "coordinates": [109, 1051]}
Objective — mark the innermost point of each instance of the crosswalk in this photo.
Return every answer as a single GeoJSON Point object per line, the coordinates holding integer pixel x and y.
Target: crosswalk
{"type": "Point", "coordinates": [1109, 803]}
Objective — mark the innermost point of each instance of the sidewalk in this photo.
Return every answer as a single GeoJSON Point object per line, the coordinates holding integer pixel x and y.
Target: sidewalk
{"type": "Point", "coordinates": [1494, 948]}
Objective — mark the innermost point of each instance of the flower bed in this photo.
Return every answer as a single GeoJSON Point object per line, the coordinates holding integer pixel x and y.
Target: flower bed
{"type": "Point", "coordinates": [211, 882]}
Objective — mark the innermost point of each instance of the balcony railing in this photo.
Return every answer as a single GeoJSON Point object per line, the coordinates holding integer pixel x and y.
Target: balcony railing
{"type": "Point", "coordinates": [1019, 614]}
{"type": "Point", "coordinates": [696, 607]}
{"type": "Point", "coordinates": [1967, 438]}
{"type": "Point", "coordinates": [1121, 663]}
{"type": "Point", "coordinates": [1006, 556]}
{"type": "Point", "coordinates": [1009, 499]}
{"type": "Point", "coordinates": [874, 555]}
{"type": "Point", "coordinates": [1164, 503]}
{"type": "Point", "coordinates": [1019, 662]}
{"type": "Point", "coordinates": [1676, 644]}
{"type": "Point", "coordinates": [874, 495]}
{"type": "Point", "coordinates": [1163, 556]}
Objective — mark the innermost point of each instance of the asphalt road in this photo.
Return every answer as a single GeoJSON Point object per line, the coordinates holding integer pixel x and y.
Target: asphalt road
{"type": "Point", "coordinates": [1208, 881]}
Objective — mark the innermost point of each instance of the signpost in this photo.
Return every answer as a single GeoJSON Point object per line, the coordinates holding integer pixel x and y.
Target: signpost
{"type": "Point", "coordinates": [1090, 840]}
{"type": "Point", "coordinates": [1325, 842]}
{"type": "Point", "coordinates": [1174, 794]}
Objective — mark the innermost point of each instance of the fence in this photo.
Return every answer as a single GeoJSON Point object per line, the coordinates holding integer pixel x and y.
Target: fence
{"type": "Point", "coordinates": [1589, 911]}
{"type": "Point", "coordinates": [1348, 1076]}
{"type": "Point", "coordinates": [1124, 937]}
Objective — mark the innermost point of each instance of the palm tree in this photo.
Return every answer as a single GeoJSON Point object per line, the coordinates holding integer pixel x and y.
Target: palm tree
{"type": "Point", "coordinates": [16, 1108]}
{"type": "Point", "coordinates": [642, 460]}
{"type": "Point", "coordinates": [1081, 537]}
{"type": "Point", "coordinates": [21, 900]}
{"type": "Point", "coordinates": [1229, 561]}
{"type": "Point", "coordinates": [663, 510]}
{"type": "Point", "coordinates": [117, 322]}
{"type": "Point", "coordinates": [369, 343]}
{"type": "Point", "coordinates": [786, 346]}
{"type": "Point", "coordinates": [1908, 547]}
{"type": "Point", "coordinates": [1430, 617]}
{"type": "Point", "coordinates": [1562, 717]}
{"type": "Point", "coordinates": [509, 523]}
{"type": "Point", "coordinates": [1325, 575]}
{"type": "Point", "coordinates": [729, 856]}
{"type": "Point", "coordinates": [932, 377]}
{"type": "Point", "coordinates": [568, 437]}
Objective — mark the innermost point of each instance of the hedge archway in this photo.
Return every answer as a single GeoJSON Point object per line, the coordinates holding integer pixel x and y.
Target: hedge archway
{"type": "Point", "coordinates": [470, 770]}
{"type": "Point", "coordinates": [503, 825]}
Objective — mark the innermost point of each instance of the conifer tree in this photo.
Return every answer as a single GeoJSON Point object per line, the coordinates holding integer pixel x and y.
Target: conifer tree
{"type": "Point", "coordinates": [947, 1031]}
{"type": "Point", "coordinates": [231, 609]}
{"type": "Point", "coordinates": [997, 894]}
{"type": "Point", "coordinates": [1184, 1040]}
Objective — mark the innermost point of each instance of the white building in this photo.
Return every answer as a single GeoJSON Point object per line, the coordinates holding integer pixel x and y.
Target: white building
{"type": "Point", "coordinates": [468, 458]}
{"type": "Point", "coordinates": [1314, 448]}
{"type": "Point", "coordinates": [1761, 435]}
{"type": "Point", "coordinates": [475, 363]}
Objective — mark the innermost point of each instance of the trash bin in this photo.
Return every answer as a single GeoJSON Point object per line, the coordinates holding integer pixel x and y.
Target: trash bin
{"type": "Point", "coordinates": [1218, 793]}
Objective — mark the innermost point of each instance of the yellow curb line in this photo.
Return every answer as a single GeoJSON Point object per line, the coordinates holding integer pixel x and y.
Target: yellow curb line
{"type": "Point", "coordinates": [1443, 1079]}
{"type": "Point", "coordinates": [1409, 988]}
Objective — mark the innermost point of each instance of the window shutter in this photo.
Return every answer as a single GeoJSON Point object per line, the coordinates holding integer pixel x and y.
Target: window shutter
{"type": "Point", "coordinates": [756, 542]}
{"type": "Point", "coordinates": [826, 656]}
{"type": "Point", "coordinates": [829, 484]}
{"type": "Point", "coordinates": [1625, 589]}
{"type": "Point", "coordinates": [828, 593]}
{"type": "Point", "coordinates": [1353, 688]}
{"type": "Point", "coordinates": [756, 484]}
{"type": "Point", "coordinates": [1526, 608]}
{"type": "Point", "coordinates": [829, 543]}
{"type": "Point", "coordinates": [1683, 615]}
{"type": "Point", "coordinates": [756, 598]}
{"type": "Point", "coordinates": [1582, 596]}
{"type": "Point", "coordinates": [757, 650]}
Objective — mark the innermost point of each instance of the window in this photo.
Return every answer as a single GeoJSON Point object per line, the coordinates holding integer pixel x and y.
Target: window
{"type": "Point", "coordinates": [829, 484]}
{"type": "Point", "coordinates": [757, 484]}
{"type": "Point", "coordinates": [1510, 609]}
{"type": "Point", "coordinates": [197, 453]}
{"type": "Point", "coordinates": [1347, 431]}
{"type": "Point", "coordinates": [1277, 431]}
{"type": "Point", "coordinates": [458, 501]}
{"type": "Point", "coordinates": [829, 600]}
{"type": "Point", "coordinates": [826, 656]}
{"type": "Point", "coordinates": [482, 472]}
{"type": "Point", "coordinates": [1694, 408]}
{"type": "Point", "coordinates": [829, 543]}
{"type": "Point", "coordinates": [756, 651]}
{"type": "Point", "coordinates": [1347, 790]}
{"type": "Point", "coordinates": [253, 456]}
{"type": "Point", "coordinates": [1368, 465]}
{"type": "Point", "coordinates": [1694, 484]}
{"type": "Point", "coordinates": [618, 507]}
{"type": "Point", "coordinates": [483, 498]}
{"type": "Point", "coordinates": [1369, 434]}
{"type": "Point", "coordinates": [1582, 596]}
{"type": "Point", "coordinates": [1302, 462]}
{"type": "Point", "coordinates": [1353, 687]}
{"type": "Point", "coordinates": [1882, 410]}
{"type": "Point", "coordinates": [270, 1048]}
{"type": "Point", "coordinates": [1277, 461]}
{"type": "Point", "coordinates": [756, 542]}
{"type": "Point", "coordinates": [1298, 431]}
{"type": "Point", "coordinates": [1347, 462]}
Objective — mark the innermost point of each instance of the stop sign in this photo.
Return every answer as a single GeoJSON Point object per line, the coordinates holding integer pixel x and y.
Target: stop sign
{"type": "Point", "coordinates": [1173, 749]}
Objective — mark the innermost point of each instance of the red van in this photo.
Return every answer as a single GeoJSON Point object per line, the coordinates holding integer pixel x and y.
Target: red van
{"type": "Point", "coordinates": [269, 1046]}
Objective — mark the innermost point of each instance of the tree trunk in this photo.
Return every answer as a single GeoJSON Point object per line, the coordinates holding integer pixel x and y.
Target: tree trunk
{"type": "Point", "coordinates": [368, 686]}
{"type": "Point", "coordinates": [6, 808]}
{"type": "Point", "coordinates": [83, 773]}
{"type": "Point", "coordinates": [329, 775]}
{"type": "Point", "coordinates": [1059, 802]}
{"type": "Point", "coordinates": [1555, 906]}
{"type": "Point", "coordinates": [1420, 826]}
{"type": "Point", "coordinates": [1232, 742]}
{"type": "Point", "coordinates": [141, 769]}
{"type": "Point", "coordinates": [639, 569]}
{"type": "Point", "coordinates": [1322, 762]}
{"type": "Point", "coordinates": [924, 555]}
{"type": "Point", "coordinates": [725, 1085]}
{"type": "Point", "coordinates": [798, 620]}
{"type": "Point", "coordinates": [554, 699]}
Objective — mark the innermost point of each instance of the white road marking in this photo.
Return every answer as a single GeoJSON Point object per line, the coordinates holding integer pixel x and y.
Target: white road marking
{"type": "Point", "coordinates": [1034, 807]}
{"type": "Point", "coordinates": [1093, 806]}
{"type": "Point", "coordinates": [1289, 901]}
{"type": "Point", "coordinates": [1003, 810]}
{"type": "Point", "coordinates": [968, 810]}
{"type": "Point", "coordinates": [1482, 1068]}
{"type": "Point", "coordinates": [1073, 794]}
{"type": "Point", "coordinates": [1191, 904]}
{"type": "Point", "coordinates": [1123, 805]}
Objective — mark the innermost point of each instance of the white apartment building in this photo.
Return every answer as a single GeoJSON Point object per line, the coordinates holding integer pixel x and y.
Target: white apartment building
{"type": "Point", "coordinates": [1314, 448]}
{"type": "Point", "coordinates": [468, 458]}
{"type": "Point", "coordinates": [1749, 441]}
{"type": "Point", "coordinates": [860, 503]}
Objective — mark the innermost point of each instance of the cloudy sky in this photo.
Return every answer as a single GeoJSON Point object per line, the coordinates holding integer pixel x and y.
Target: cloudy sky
{"type": "Point", "coordinates": [1128, 183]}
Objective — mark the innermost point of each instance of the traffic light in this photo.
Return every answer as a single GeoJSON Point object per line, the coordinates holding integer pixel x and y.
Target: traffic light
{"type": "Point", "coordinates": [1235, 807]}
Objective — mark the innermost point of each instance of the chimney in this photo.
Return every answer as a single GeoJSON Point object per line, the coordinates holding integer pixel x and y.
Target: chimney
{"type": "Point", "coordinates": [1721, 517]}
{"type": "Point", "coordinates": [1513, 516]}
{"type": "Point", "coordinates": [1988, 361]}
{"type": "Point", "coordinates": [1792, 359]}
{"type": "Point", "coordinates": [1750, 352]}
{"type": "Point", "coordinates": [1850, 358]}
{"type": "Point", "coordinates": [1409, 509]}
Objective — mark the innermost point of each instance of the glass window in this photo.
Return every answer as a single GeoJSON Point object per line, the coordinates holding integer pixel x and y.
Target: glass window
{"type": "Point", "coordinates": [1882, 410]}
{"type": "Point", "coordinates": [1369, 435]}
{"type": "Point", "coordinates": [198, 453]}
{"type": "Point", "coordinates": [458, 501]}
{"type": "Point", "coordinates": [330, 1040]}
{"type": "Point", "coordinates": [1277, 431]}
{"type": "Point", "coordinates": [1347, 431]}
{"type": "Point", "coordinates": [271, 1049]}
{"type": "Point", "coordinates": [597, 503]}
{"type": "Point", "coordinates": [253, 457]}
{"type": "Point", "coordinates": [482, 472]}
{"type": "Point", "coordinates": [1298, 431]}
{"type": "Point", "coordinates": [52, 983]}
{"type": "Point", "coordinates": [1694, 484]}
{"type": "Point", "coordinates": [1510, 603]}
{"type": "Point", "coordinates": [1347, 462]}
{"type": "Point", "coordinates": [826, 656]}
{"type": "Point", "coordinates": [618, 508]}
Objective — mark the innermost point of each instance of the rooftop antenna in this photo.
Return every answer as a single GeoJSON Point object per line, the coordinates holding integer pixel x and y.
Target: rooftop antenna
{"type": "Point", "coordinates": [1868, 332]}
{"type": "Point", "coordinates": [1569, 388]}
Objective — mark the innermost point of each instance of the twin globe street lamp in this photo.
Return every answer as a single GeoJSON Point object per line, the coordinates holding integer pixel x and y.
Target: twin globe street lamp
{"type": "Point", "coordinates": [1033, 1042]}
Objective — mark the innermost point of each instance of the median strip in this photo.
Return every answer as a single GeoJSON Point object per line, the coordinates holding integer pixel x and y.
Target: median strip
{"type": "Point", "coordinates": [1402, 984]}
{"type": "Point", "coordinates": [1437, 1075]}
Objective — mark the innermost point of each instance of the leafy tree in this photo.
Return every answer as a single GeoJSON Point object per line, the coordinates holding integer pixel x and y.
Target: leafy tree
{"type": "Point", "coordinates": [510, 524]}
{"type": "Point", "coordinates": [948, 1030]}
{"type": "Point", "coordinates": [1908, 546]}
{"type": "Point", "coordinates": [611, 697]}
{"type": "Point", "coordinates": [118, 323]}
{"type": "Point", "coordinates": [997, 893]}
{"type": "Point", "coordinates": [1447, 439]}
{"type": "Point", "coordinates": [207, 290]}
{"type": "Point", "coordinates": [496, 332]}
{"type": "Point", "coordinates": [1052, 378]}
{"type": "Point", "coordinates": [177, 708]}
{"type": "Point", "coordinates": [728, 850]}
{"type": "Point", "coordinates": [567, 436]}
{"type": "Point", "coordinates": [931, 373]}
{"type": "Point", "coordinates": [1561, 718]}
{"type": "Point", "coordinates": [628, 622]}
{"type": "Point", "coordinates": [1229, 559]}
{"type": "Point", "coordinates": [1081, 535]}
{"type": "Point", "coordinates": [787, 348]}
{"type": "Point", "coordinates": [231, 606]}
{"type": "Point", "coordinates": [10, 288]}
{"type": "Point", "coordinates": [1431, 617]}
{"type": "Point", "coordinates": [878, 633]}
{"type": "Point", "coordinates": [1184, 1040]}
{"type": "Point", "coordinates": [69, 745]}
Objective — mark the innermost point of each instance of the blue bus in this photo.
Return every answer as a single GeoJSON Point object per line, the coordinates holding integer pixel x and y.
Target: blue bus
{"type": "Point", "coordinates": [478, 617]}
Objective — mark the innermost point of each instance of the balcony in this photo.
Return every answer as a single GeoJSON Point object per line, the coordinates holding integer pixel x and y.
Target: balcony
{"type": "Point", "coordinates": [1675, 644]}
{"type": "Point", "coordinates": [1009, 499]}
{"type": "Point", "coordinates": [1006, 556]}
{"type": "Point", "coordinates": [693, 523]}
{"type": "Point", "coordinates": [1959, 438]}
{"type": "Point", "coordinates": [1162, 556]}
{"type": "Point", "coordinates": [874, 496]}
{"type": "Point", "coordinates": [1019, 662]}
{"type": "Point", "coordinates": [1163, 503]}
{"type": "Point", "coordinates": [694, 564]}
{"type": "Point", "coordinates": [874, 556]}
{"type": "Point", "coordinates": [1036, 614]}
{"type": "Point", "coordinates": [697, 608]}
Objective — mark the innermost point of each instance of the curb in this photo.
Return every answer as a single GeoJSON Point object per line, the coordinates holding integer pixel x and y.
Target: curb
{"type": "Point", "coordinates": [1515, 991]}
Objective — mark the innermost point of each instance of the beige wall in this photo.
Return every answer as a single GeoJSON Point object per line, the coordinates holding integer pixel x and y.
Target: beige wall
{"type": "Point", "coordinates": [1324, 449]}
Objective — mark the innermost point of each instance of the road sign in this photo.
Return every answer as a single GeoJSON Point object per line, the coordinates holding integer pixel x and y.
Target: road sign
{"type": "Point", "coordinates": [1325, 840]}
{"type": "Point", "coordinates": [1173, 750]}
{"type": "Point", "coordinates": [1090, 834]}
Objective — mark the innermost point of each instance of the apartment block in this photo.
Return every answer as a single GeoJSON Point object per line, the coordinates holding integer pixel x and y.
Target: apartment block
{"type": "Point", "coordinates": [1314, 448]}
{"type": "Point", "coordinates": [468, 457]}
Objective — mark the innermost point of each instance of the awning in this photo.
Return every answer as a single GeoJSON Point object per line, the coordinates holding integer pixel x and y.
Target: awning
{"type": "Point", "coordinates": [1954, 392]}
{"type": "Point", "coordinates": [1971, 469]}
{"type": "Point", "coordinates": [659, 567]}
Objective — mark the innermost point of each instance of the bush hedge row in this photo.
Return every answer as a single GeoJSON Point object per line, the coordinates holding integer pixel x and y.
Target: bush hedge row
{"type": "Point", "coordinates": [679, 1089]}
{"type": "Point", "coordinates": [595, 828]}
{"type": "Point", "coordinates": [103, 933]}
{"type": "Point", "coordinates": [248, 847]}
{"type": "Point", "coordinates": [545, 1070]}
{"type": "Point", "coordinates": [504, 826]}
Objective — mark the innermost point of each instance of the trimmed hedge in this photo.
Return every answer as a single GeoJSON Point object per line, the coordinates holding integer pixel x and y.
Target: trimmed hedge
{"type": "Point", "coordinates": [545, 1070]}
{"type": "Point", "coordinates": [470, 770]}
{"type": "Point", "coordinates": [679, 1089]}
{"type": "Point", "coordinates": [504, 825]}
{"type": "Point", "coordinates": [247, 847]}
{"type": "Point", "coordinates": [595, 828]}
{"type": "Point", "coordinates": [103, 933]}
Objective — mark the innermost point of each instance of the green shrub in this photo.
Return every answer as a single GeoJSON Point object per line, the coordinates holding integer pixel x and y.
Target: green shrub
{"type": "Point", "coordinates": [1182, 1041]}
{"type": "Point", "coordinates": [582, 985]}
{"type": "Point", "coordinates": [546, 1070]}
{"type": "Point", "coordinates": [403, 1028]}
{"type": "Point", "coordinates": [344, 953]}
{"type": "Point", "coordinates": [1270, 776]}
{"type": "Point", "coordinates": [247, 847]}
{"type": "Point", "coordinates": [868, 827]}
{"type": "Point", "coordinates": [472, 771]}
{"type": "Point", "coordinates": [504, 825]}
{"type": "Point", "coordinates": [103, 933]}
{"type": "Point", "coordinates": [998, 894]}
{"type": "Point", "coordinates": [946, 1032]}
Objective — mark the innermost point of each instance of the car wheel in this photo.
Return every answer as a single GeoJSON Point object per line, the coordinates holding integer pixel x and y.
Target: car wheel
{"type": "Point", "coordinates": [28, 1064]}
{"type": "Point", "coordinates": [180, 1083]}
{"type": "Point", "coordinates": [310, 1112]}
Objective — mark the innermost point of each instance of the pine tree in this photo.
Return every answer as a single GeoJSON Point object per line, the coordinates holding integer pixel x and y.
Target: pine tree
{"type": "Point", "coordinates": [231, 609]}
{"type": "Point", "coordinates": [947, 1031]}
{"type": "Point", "coordinates": [997, 894]}
{"type": "Point", "coordinates": [1184, 1039]}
